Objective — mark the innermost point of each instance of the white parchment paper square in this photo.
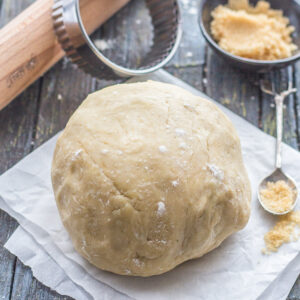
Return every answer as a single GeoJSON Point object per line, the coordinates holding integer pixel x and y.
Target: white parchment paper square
{"type": "Point", "coordinates": [235, 270]}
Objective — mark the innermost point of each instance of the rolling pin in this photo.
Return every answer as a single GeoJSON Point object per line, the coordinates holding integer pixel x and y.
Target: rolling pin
{"type": "Point", "coordinates": [29, 47]}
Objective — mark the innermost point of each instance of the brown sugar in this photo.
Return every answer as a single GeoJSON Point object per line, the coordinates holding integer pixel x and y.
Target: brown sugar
{"type": "Point", "coordinates": [278, 196]}
{"type": "Point", "coordinates": [255, 32]}
{"type": "Point", "coordinates": [284, 231]}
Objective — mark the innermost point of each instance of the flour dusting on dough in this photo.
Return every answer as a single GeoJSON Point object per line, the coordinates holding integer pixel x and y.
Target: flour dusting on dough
{"type": "Point", "coordinates": [182, 145]}
{"type": "Point", "coordinates": [162, 149]}
{"type": "Point", "coordinates": [180, 132]}
{"type": "Point", "coordinates": [175, 183]}
{"type": "Point", "coordinates": [216, 171]}
{"type": "Point", "coordinates": [78, 152]}
{"type": "Point", "coordinates": [161, 208]}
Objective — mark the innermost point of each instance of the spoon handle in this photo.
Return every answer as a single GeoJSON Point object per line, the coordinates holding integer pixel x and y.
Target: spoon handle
{"type": "Point", "coordinates": [279, 125]}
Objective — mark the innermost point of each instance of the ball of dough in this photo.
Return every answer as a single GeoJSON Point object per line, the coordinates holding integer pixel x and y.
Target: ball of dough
{"type": "Point", "coordinates": [147, 176]}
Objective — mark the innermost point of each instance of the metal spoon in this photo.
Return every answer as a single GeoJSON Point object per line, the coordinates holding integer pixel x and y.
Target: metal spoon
{"type": "Point", "coordinates": [278, 174]}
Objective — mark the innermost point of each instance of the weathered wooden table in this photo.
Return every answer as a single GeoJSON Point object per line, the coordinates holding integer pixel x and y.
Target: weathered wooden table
{"type": "Point", "coordinates": [44, 108]}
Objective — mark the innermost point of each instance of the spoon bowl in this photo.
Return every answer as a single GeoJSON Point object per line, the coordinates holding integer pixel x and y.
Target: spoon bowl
{"type": "Point", "coordinates": [277, 175]}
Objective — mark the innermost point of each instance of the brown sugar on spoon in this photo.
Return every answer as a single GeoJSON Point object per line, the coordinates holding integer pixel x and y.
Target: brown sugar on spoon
{"type": "Point", "coordinates": [256, 32]}
{"type": "Point", "coordinates": [278, 196]}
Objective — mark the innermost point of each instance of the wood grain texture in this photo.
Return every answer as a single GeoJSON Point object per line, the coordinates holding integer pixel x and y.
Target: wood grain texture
{"type": "Point", "coordinates": [17, 118]}
{"type": "Point", "coordinates": [191, 51]}
{"type": "Point", "coordinates": [7, 260]}
{"type": "Point", "coordinates": [297, 100]}
{"type": "Point", "coordinates": [235, 89]}
{"type": "Point", "coordinates": [26, 288]}
{"type": "Point", "coordinates": [17, 124]}
{"type": "Point", "coordinates": [191, 75]}
{"type": "Point", "coordinates": [280, 81]}
{"type": "Point", "coordinates": [28, 47]}
{"type": "Point", "coordinates": [59, 99]}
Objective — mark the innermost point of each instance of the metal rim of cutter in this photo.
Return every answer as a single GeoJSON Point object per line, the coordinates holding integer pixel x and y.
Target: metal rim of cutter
{"type": "Point", "coordinates": [166, 21]}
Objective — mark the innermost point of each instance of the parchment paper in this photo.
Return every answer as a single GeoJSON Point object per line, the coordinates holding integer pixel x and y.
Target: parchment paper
{"type": "Point", "coordinates": [235, 270]}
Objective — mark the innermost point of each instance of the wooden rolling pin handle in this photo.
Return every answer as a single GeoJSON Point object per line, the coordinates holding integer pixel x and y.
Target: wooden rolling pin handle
{"type": "Point", "coordinates": [29, 47]}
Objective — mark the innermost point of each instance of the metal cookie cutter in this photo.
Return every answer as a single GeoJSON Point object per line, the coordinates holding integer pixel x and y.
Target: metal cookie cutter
{"type": "Point", "coordinates": [166, 28]}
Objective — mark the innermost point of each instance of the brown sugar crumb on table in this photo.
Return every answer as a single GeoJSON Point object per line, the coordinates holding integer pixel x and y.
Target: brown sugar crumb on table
{"type": "Point", "coordinates": [284, 231]}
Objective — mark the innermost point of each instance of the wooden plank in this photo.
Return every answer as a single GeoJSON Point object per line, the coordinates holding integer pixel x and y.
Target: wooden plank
{"type": "Point", "coordinates": [191, 51]}
{"type": "Point", "coordinates": [16, 123]}
{"type": "Point", "coordinates": [7, 260]}
{"type": "Point", "coordinates": [60, 98]}
{"type": "Point", "coordinates": [129, 35]}
{"type": "Point", "coordinates": [27, 288]}
{"type": "Point", "coordinates": [295, 292]}
{"type": "Point", "coordinates": [235, 89]}
{"type": "Point", "coordinates": [280, 80]}
{"type": "Point", "coordinates": [191, 75]}
{"type": "Point", "coordinates": [11, 8]}
{"type": "Point", "coordinates": [297, 99]}
{"type": "Point", "coordinates": [22, 282]}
